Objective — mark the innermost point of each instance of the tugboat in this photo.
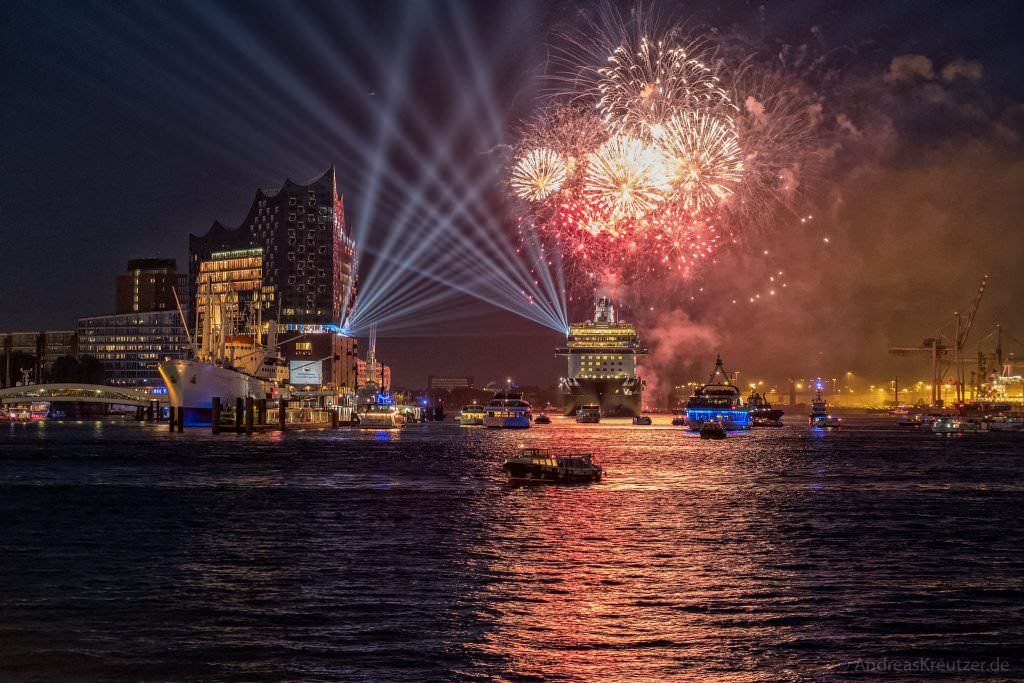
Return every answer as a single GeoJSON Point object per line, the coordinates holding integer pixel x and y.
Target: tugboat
{"type": "Point", "coordinates": [589, 414]}
{"type": "Point", "coordinates": [712, 430]}
{"type": "Point", "coordinates": [819, 416]}
{"type": "Point", "coordinates": [508, 410]}
{"type": "Point", "coordinates": [717, 401]}
{"type": "Point", "coordinates": [761, 412]}
{"type": "Point", "coordinates": [542, 419]}
{"type": "Point", "coordinates": [641, 419]}
{"type": "Point", "coordinates": [535, 466]}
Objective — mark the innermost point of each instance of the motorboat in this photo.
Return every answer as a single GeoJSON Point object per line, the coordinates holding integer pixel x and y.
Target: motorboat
{"type": "Point", "coordinates": [641, 419]}
{"type": "Point", "coordinates": [712, 430]}
{"type": "Point", "coordinates": [678, 418]}
{"type": "Point", "coordinates": [589, 413]}
{"type": "Point", "coordinates": [947, 424]}
{"type": "Point", "coordinates": [973, 426]}
{"type": "Point", "coordinates": [819, 408]}
{"type": "Point", "coordinates": [1003, 423]}
{"type": "Point", "coordinates": [717, 401]}
{"type": "Point", "coordinates": [819, 416]}
{"type": "Point", "coordinates": [536, 466]}
{"type": "Point", "coordinates": [381, 414]}
{"type": "Point", "coordinates": [542, 419]}
{"type": "Point", "coordinates": [507, 410]}
{"type": "Point", "coordinates": [762, 414]}
{"type": "Point", "coordinates": [472, 414]}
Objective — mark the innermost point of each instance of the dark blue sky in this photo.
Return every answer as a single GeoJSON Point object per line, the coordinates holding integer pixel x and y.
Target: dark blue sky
{"type": "Point", "coordinates": [125, 126]}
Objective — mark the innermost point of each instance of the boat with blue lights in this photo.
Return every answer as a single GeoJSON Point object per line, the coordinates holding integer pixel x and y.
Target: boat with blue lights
{"type": "Point", "coordinates": [717, 401]}
{"type": "Point", "coordinates": [819, 416]}
{"type": "Point", "coordinates": [381, 413]}
{"type": "Point", "coordinates": [508, 410]}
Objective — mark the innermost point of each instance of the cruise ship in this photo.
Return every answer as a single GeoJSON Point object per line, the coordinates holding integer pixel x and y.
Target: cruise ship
{"type": "Point", "coordinates": [602, 356]}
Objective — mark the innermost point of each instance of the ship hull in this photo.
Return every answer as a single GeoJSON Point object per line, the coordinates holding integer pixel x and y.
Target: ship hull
{"type": "Point", "coordinates": [617, 397]}
{"type": "Point", "coordinates": [193, 385]}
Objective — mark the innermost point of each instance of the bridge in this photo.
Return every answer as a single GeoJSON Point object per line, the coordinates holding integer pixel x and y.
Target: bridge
{"type": "Point", "coordinates": [78, 393]}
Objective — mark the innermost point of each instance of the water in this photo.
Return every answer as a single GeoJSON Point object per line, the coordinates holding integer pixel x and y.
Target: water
{"type": "Point", "coordinates": [783, 554]}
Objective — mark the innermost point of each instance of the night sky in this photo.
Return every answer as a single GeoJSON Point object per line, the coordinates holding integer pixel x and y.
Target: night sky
{"type": "Point", "coordinates": [126, 126]}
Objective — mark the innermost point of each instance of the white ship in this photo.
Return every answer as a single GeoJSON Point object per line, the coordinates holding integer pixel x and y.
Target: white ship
{"type": "Point", "coordinates": [508, 410]}
{"type": "Point", "coordinates": [602, 356]}
{"type": "Point", "coordinates": [227, 364]}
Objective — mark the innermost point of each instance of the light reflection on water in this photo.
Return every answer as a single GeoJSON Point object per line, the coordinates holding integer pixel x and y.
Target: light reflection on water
{"type": "Point", "coordinates": [772, 555]}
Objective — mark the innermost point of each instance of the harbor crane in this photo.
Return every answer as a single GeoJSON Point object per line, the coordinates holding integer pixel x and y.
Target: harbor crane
{"type": "Point", "coordinates": [938, 349]}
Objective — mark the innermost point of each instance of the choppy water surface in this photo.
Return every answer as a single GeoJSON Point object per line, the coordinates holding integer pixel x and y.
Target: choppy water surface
{"type": "Point", "coordinates": [787, 554]}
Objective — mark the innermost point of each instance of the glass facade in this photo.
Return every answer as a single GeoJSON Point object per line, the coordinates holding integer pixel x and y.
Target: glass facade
{"type": "Point", "coordinates": [130, 345]}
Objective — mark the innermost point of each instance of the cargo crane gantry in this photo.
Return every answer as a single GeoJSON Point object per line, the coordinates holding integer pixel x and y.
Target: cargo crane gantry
{"type": "Point", "coordinates": [938, 349]}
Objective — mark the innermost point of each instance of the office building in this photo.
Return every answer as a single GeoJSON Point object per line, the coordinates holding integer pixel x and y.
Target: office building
{"type": "Point", "coordinates": [149, 285]}
{"type": "Point", "coordinates": [129, 345]}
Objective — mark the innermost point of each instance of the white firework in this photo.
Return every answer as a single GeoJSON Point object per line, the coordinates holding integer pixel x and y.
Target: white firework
{"type": "Point", "coordinates": [538, 174]}
{"type": "Point", "coordinates": [705, 162]}
{"type": "Point", "coordinates": [626, 176]}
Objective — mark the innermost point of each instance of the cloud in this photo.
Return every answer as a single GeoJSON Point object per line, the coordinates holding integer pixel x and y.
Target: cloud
{"type": "Point", "coordinates": [962, 68]}
{"type": "Point", "coordinates": [910, 67]}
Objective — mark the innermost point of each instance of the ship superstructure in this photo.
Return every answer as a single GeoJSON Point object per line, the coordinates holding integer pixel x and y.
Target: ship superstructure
{"type": "Point", "coordinates": [602, 358]}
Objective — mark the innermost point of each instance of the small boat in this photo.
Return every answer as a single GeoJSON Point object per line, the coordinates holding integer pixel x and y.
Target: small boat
{"type": "Point", "coordinates": [1002, 423]}
{"type": "Point", "coordinates": [508, 410]}
{"type": "Point", "coordinates": [589, 413]}
{"type": "Point", "coordinates": [542, 419]}
{"type": "Point", "coordinates": [819, 416]}
{"type": "Point", "coordinates": [641, 420]}
{"type": "Point", "coordinates": [712, 430]}
{"type": "Point", "coordinates": [830, 422]}
{"type": "Point", "coordinates": [678, 418]}
{"type": "Point", "coordinates": [536, 466]}
{"type": "Point", "coordinates": [761, 412]}
{"type": "Point", "coordinates": [909, 421]}
{"type": "Point", "coordinates": [381, 414]}
{"type": "Point", "coordinates": [472, 415]}
{"type": "Point", "coordinates": [946, 425]}
{"type": "Point", "coordinates": [973, 426]}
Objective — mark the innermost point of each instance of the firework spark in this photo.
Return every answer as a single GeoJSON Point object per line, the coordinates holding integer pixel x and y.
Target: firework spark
{"type": "Point", "coordinates": [705, 163]}
{"type": "Point", "coordinates": [627, 177]}
{"type": "Point", "coordinates": [538, 174]}
{"type": "Point", "coordinates": [644, 86]}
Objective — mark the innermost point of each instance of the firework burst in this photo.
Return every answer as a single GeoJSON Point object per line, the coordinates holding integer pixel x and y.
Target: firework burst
{"type": "Point", "coordinates": [627, 177]}
{"type": "Point", "coordinates": [705, 163]}
{"type": "Point", "coordinates": [657, 147]}
{"type": "Point", "coordinates": [644, 86]}
{"type": "Point", "coordinates": [538, 174]}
